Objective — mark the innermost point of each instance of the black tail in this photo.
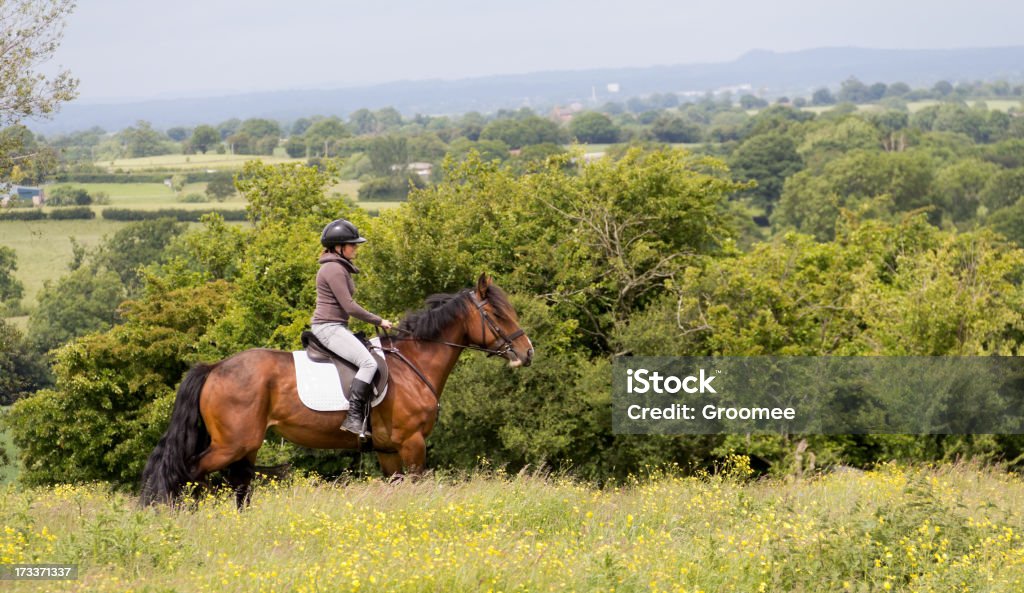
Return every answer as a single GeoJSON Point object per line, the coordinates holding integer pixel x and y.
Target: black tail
{"type": "Point", "coordinates": [172, 463]}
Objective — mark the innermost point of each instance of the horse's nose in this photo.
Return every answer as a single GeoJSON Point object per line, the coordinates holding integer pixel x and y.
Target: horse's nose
{"type": "Point", "coordinates": [529, 357]}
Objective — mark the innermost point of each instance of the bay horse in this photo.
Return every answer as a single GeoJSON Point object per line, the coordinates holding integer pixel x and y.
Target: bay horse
{"type": "Point", "coordinates": [222, 410]}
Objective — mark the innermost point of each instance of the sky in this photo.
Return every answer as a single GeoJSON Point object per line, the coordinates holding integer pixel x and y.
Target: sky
{"type": "Point", "coordinates": [140, 49]}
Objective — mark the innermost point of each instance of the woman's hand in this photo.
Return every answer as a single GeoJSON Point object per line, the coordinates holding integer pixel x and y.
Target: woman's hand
{"type": "Point", "coordinates": [385, 324]}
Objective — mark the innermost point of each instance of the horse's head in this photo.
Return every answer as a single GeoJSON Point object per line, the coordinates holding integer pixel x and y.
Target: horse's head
{"type": "Point", "coordinates": [494, 325]}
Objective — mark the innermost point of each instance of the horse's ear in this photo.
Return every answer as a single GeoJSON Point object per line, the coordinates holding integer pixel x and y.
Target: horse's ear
{"type": "Point", "coordinates": [482, 284]}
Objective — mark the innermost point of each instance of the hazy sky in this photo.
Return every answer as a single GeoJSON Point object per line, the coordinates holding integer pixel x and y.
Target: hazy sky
{"type": "Point", "coordinates": [141, 49]}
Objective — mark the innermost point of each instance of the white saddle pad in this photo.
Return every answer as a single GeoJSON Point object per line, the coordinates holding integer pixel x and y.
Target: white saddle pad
{"type": "Point", "coordinates": [319, 386]}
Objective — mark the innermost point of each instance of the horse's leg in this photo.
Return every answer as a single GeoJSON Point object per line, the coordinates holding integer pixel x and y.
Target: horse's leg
{"type": "Point", "coordinates": [413, 453]}
{"type": "Point", "coordinates": [390, 464]}
{"type": "Point", "coordinates": [240, 475]}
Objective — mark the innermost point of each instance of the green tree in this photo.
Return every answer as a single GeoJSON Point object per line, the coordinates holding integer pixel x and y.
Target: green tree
{"type": "Point", "coordinates": [22, 371]}
{"type": "Point", "coordinates": [241, 143]}
{"type": "Point", "coordinates": [81, 302]}
{"type": "Point", "coordinates": [114, 390]}
{"type": "Point", "coordinates": [135, 246]}
{"type": "Point", "coordinates": [296, 147]}
{"type": "Point", "coordinates": [229, 127]}
{"type": "Point", "coordinates": [959, 187]}
{"type": "Point", "coordinates": [324, 137]}
{"type": "Point", "coordinates": [259, 128]}
{"type": "Point", "coordinates": [363, 121]}
{"type": "Point", "coordinates": [389, 155]}
{"type": "Point", "coordinates": [853, 91]}
{"type": "Point", "coordinates": [32, 32]}
{"type": "Point", "coordinates": [178, 133]}
{"type": "Point", "coordinates": [768, 159]}
{"type": "Point", "coordinates": [221, 186]}
{"type": "Point", "coordinates": [11, 289]}
{"type": "Point", "coordinates": [1003, 189]}
{"type": "Point", "coordinates": [752, 102]}
{"type": "Point", "coordinates": [142, 140]}
{"type": "Point", "coordinates": [520, 132]}
{"type": "Point", "coordinates": [827, 139]}
{"type": "Point", "coordinates": [811, 202]}
{"type": "Point", "coordinates": [593, 128]}
{"type": "Point", "coordinates": [387, 119]}
{"type": "Point", "coordinates": [822, 96]}
{"type": "Point", "coordinates": [672, 128]}
{"type": "Point", "coordinates": [204, 138]}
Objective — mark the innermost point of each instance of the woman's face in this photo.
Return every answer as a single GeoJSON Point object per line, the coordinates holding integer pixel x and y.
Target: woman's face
{"type": "Point", "coordinates": [348, 250]}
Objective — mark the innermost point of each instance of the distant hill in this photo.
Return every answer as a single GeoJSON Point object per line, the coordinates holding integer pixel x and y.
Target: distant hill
{"type": "Point", "coordinates": [765, 71]}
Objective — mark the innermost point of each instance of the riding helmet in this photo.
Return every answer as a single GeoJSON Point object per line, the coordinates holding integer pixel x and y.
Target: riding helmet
{"type": "Point", "coordinates": [340, 232]}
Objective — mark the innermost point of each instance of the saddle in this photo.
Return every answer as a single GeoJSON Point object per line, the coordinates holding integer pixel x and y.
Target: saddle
{"type": "Point", "coordinates": [317, 352]}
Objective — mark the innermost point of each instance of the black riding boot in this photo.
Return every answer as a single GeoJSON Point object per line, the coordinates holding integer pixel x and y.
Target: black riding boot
{"type": "Point", "coordinates": [358, 397]}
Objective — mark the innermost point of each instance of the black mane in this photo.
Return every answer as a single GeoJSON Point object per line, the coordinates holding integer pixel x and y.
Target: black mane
{"type": "Point", "coordinates": [444, 309]}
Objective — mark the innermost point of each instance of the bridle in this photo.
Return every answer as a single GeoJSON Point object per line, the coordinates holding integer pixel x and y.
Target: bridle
{"type": "Point", "coordinates": [502, 350]}
{"type": "Point", "coordinates": [506, 339]}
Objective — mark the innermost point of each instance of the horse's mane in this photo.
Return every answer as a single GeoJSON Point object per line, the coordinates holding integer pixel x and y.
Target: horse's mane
{"type": "Point", "coordinates": [444, 309]}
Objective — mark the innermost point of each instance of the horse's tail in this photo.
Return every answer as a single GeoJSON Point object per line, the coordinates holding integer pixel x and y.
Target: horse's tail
{"type": "Point", "coordinates": [173, 462]}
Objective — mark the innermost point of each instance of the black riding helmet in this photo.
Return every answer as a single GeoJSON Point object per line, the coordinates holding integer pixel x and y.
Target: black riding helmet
{"type": "Point", "coordinates": [340, 232]}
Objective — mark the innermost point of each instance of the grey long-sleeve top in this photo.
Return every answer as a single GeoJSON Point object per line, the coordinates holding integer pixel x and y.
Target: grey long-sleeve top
{"type": "Point", "coordinates": [335, 292]}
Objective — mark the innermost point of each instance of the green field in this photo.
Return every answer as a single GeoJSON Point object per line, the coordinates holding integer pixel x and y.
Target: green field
{"type": "Point", "coordinates": [191, 162]}
{"type": "Point", "coordinates": [152, 196]}
{"type": "Point", "coordinates": [895, 529]}
{"type": "Point", "coordinates": [44, 249]}
{"type": "Point", "coordinates": [915, 106]}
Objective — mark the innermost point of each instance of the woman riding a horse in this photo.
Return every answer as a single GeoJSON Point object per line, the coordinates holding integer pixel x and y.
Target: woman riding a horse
{"type": "Point", "coordinates": [223, 410]}
{"type": "Point", "coordinates": [335, 303]}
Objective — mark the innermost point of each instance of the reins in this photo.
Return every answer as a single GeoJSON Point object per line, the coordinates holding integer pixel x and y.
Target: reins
{"type": "Point", "coordinates": [504, 349]}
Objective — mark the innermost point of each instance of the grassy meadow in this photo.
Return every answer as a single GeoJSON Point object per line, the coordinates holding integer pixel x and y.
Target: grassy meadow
{"type": "Point", "coordinates": [44, 248]}
{"type": "Point", "coordinates": [947, 528]}
{"type": "Point", "coordinates": [190, 162]}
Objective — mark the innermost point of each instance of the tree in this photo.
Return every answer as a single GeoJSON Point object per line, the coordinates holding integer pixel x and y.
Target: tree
{"type": "Point", "coordinates": [241, 143]}
{"type": "Point", "coordinates": [593, 128]}
{"type": "Point", "coordinates": [822, 96]}
{"type": "Point", "coordinates": [300, 126]}
{"type": "Point", "coordinates": [1003, 189]}
{"type": "Point", "coordinates": [135, 246]}
{"type": "Point", "coordinates": [752, 102]}
{"type": "Point", "coordinates": [324, 137]}
{"type": "Point", "coordinates": [942, 88]}
{"type": "Point", "coordinates": [11, 289]}
{"type": "Point", "coordinates": [881, 184]}
{"type": "Point", "coordinates": [672, 128]}
{"type": "Point", "coordinates": [389, 155]}
{"type": "Point", "coordinates": [853, 91]}
{"type": "Point", "coordinates": [221, 186]}
{"type": "Point", "coordinates": [363, 122]}
{"type": "Point", "coordinates": [521, 131]}
{"type": "Point", "coordinates": [204, 138]}
{"type": "Point", "coordinates": [178, 133]}
{"type": "Point", "coordinates": [387, 118]}
{"type": "Point", "coordinates": [31, 32]}
{"type": "Point", "coordinates": [82, 302]}
{"type": "Point", "coordinates": [260, 128]}
{"type": "Point", "coordinates": [142, 140]}
{"type": "Point", "coordinates": [21, 370]}
{"type": "Point", "coordinates": [959, 187]}
{"type": "Point", "coordinates": [768, 159]}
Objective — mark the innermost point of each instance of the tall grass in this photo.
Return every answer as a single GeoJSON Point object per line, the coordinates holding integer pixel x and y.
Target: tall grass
{"type": "Point", "coordinates": [950, 528]}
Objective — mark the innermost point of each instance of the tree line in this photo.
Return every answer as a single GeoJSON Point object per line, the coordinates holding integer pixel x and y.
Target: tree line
{"type": "Point", "coordinates": [639, 254]}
